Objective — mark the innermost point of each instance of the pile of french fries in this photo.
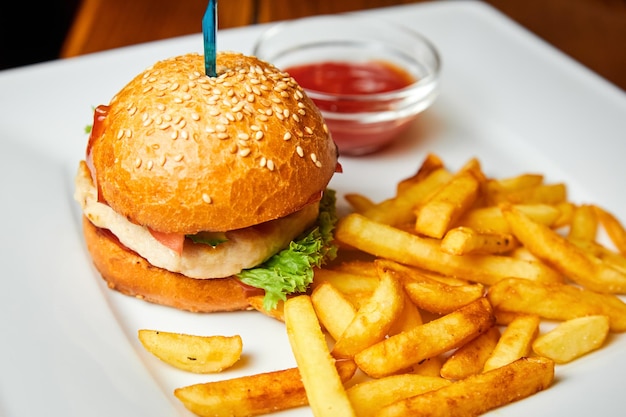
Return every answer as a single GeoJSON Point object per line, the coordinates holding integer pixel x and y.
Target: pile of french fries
{"type": "Point", "coordinates": [456, 296]}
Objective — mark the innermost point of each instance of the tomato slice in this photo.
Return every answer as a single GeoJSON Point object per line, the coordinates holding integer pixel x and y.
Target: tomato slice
{"type": "Point", "coordinates": [174, 241]}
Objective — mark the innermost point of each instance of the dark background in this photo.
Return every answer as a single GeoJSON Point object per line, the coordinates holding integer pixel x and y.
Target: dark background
{"type": "Point", "coordinates": [590, 31]}
{"type": "Point", "coordinates": [32, 32]}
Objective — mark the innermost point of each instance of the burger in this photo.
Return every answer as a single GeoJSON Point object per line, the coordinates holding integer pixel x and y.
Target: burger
{"type": "Point", "coordinates": [197, 191]}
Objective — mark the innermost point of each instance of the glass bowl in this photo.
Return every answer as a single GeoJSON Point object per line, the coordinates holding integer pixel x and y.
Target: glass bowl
{"type": "Point", "coordinates": [361, 118]}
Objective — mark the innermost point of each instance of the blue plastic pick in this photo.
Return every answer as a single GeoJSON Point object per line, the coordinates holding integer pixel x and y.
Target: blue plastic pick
{"type": "Point", "coordinates": [209, 30]}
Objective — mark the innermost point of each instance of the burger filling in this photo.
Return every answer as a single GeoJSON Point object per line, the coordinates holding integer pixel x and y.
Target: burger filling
{"type": "Point", "coordinates": [205, 255]}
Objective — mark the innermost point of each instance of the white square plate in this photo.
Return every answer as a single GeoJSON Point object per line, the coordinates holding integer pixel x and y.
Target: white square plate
{"type": "Point", "coordinates": [68, 345]}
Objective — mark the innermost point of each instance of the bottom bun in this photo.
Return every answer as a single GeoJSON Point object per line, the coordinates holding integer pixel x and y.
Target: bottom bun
{"type": "Point", "coordinates": [130, 274]}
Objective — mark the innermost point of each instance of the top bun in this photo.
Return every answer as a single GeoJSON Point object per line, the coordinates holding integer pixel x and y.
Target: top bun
{"type": "Point", "coordinates": [181, 152]}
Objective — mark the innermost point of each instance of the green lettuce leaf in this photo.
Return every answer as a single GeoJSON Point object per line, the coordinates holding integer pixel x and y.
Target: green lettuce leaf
{"type": "Point", "coordinates": [291, 270]}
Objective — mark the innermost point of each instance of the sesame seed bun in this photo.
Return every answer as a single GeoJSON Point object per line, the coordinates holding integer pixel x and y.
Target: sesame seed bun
{"type": "Point", "coordinates": [177, 153]}
{"type": "Point", "coordinates": [180, 152]}
{"type": "Point", "coordinates": [132, 275]}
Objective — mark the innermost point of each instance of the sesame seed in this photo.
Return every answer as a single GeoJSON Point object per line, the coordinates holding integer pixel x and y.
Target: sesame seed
{"type": "Point", "coordinates": [150, 164]}
{"type": "Point", "coordinates": [318, 164]}
{"type": "Point", "coordinates": [195, 116]}
{"type": "Point", "coordinates": [287, 136]}
{"type": "Point", "coordinates": [222, 136]}
{"type": "Point", "coordinates": [243, 136]}
{"type": "Point", "coordinates": [162, 160]}
{"type": "Point", "coordinates": [308, 130]}
{"type": "Point", "coordinates": [263, 162]}
{"type": "Point", "coordinates": [258, 135]}
{"type": "Point", "coordinates": [300, 151]}
{"type": "Point", "coordinates": [184, 134]}
{"type": "Point", "coordinates": [178, 157]}
{"type": "Point", "coordinates": [244, 152]}
{"type": "Point", "coordinates": [295, 117]}
{"type": "Point", "coordinates": [220, 128]}
{"type": "Point", "coordinates": [313, 157]}
{"type": "Point", "coordinates": [120, 134]}
{"type": "Point", "coordinates": [270, 165]}
{"type": "Point", "coordinates": [206, 198]}
{"type": "Point", "coordinates": [174, 134]}
{"type": "Point", "coordinates": [137, 162]}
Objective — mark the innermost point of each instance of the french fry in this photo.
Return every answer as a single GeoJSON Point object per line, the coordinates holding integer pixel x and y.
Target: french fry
{"type": "Point", "coordinates": [515, 342]}
{"type": "Point", "coordinates": [511, 184]}
{"type": "Point", "coordinates": [440, 298]}
{"type": "Point", "coordinates": [400, 209]}
{"type": "Point", "coordinates": [613, 227]}
{"type": "Point", "coordinates": [372, 320]}
{"type": "Point", "coordinates": [479, 393]}
{"type": "Point", "coordinates": [470, 358]}
{"type": "Point", "coordinates": [430, 339]}
{"type": "Point", "coordinates": [256, 302]}
{"type": "Point", "coordinates": [435, 216]}
{"type": "Point", "coordinates": [192, 353]}
{"type": "Point", "coordinates": [348, 282]}
{"type": "Point", "coordinates": [556, 250]}
{"type": "Point", "coordinates": [430, 164]}
{"type": "Point", "coordinates": [391, 243]}
{"type": "Point", "coordinates": [490, 219]}
{"type": "Point", "coordinates": [252, 395]}
{"type": "Point", "coordinates": [370, 396]}
{"type": "Point", "coordinates": [464, 240]}
{"type": "Point", "coordinates": [324, 387]}
{"type": "Point", "coordinates": [612, 259]}
{"type": "Point", "coordinates": [359, 202]}
{"type": "Point", "coordinates": [540, 194]}
{"type": "Point", "coordinates": [333, 309]}
{"type": "Point", "coordinates": [408, 318]}
{"type": "Point", "coordinates": [431, 294]}
{"type": "Point", "coordinates": [584, 224]}
{"type": "Point", "coordinates": [428, 367]}
{"type": "Point", "coordinates": [556, 301]}
{"type": "Point", "coordinates": [566, 210]}
{"type": "Point", "coordinates": [573, 338]}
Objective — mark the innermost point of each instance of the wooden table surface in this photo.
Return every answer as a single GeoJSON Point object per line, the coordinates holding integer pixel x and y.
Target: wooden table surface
{"type": "Point", "coordinates": [591, 31]}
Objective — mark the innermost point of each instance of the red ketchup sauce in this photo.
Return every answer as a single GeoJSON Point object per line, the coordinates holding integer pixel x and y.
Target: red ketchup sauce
{"type": "Point", "coordinates": [97, 129]}
{"type": "Point", "coordinates": [345, 78]}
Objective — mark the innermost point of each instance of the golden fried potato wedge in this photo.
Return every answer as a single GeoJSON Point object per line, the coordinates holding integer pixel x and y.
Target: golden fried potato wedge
{"type": "Point", "coordinates": [359, 202]}
{"type": "Point", "coordinates": [334, 311]}
{"type": "Point", "coordinates": [440, 298]}
{"type": "Point", "coordinates": [563, 255]}
{"type": "Point", "coordinates": [614, 228]}
{"type": "Point", "coordinates": [430, 339]}
{"type": "Point", "coordinates": [398, 245]}
{"type": "Point", "coordinates": [464, 240]}
{"type": "Point", "coordinates": [470, 358]}
{"type": "Point", "coordinates": [252, 395]}
{"type": "Point", "coordinates": [556, 301]}
{"type": "Point", "coordinates": [584, 224]}
{"type": "Point", "coordinates": [324, 387]}
{"type": "Point", "coordinates": [370, 396]}
{"type": "Point", "coordinates": [479, 393]}
{"type": "Point", "coordinates": [573, 338]}
{"type": "Point", "coordinates": [438, 213]}
{"type": "Point", "coordinates": [540, 194]}
{"type": "Point", "coordinates": [192, 353]}
{"type": "Point", "coordinates": [515, 342]}
{"type": "Point", "coordinates": [399, 209]}
{"type": "Point", "coordinates": [374, 319]}
{"type": "Point", "coordinates": [490, 219]}
{"type": "Point", "coordinates": [408, 318]}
